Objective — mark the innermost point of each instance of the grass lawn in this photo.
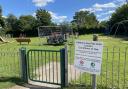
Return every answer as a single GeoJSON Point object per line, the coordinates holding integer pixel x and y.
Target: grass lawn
{"type": "Point", "coordinates": [114, 64]}
{"type": "Point", "coordinates": [10, 63]}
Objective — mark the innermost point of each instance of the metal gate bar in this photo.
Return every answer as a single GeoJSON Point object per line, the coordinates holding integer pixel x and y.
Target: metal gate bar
{"type": "Point", "coordinates": [44, 66]}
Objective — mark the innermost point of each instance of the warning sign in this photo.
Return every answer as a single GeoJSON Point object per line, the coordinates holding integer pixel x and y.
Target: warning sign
{"type": "Point", "coordinates": [88, 56]}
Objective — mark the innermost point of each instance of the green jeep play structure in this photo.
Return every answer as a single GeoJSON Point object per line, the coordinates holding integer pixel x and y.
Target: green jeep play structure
{"type": "Point", "coordinates": [53, 34]}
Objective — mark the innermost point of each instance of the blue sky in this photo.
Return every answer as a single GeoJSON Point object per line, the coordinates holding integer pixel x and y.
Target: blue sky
{"type": "Point", "coordinates": [61, 10]}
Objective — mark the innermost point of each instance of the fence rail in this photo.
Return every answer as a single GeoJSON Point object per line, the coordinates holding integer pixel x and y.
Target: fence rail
{"type": "Point", "coordinates": [44, 66]}
{"type": "Point", "coordinates": [9, 63]}
{"type": "Point", "coordinates": [114, 71]}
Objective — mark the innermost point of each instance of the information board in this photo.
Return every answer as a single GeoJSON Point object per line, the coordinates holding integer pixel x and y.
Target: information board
{"type": "Point", "coordinates": [88, 56]}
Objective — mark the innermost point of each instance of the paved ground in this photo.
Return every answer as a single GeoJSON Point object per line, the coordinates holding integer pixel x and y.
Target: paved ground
{"type": "Point", "coordinates": [31, 87]}
{"type": "Point", "coordinates": [72, 75]}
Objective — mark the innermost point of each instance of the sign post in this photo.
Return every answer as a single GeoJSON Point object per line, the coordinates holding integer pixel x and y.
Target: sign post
{"type": "Point", "coordinates": [88, 57]}
{"type": "Point", "coordinates": [95, 38]}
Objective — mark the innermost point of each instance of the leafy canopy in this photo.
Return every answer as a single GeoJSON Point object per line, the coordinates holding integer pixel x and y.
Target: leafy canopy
{"type": "Point", "coordinates": [43, 17]}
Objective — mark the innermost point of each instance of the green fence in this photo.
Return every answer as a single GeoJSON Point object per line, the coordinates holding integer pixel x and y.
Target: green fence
{"type": "Point", "coordinates": [46, 66]}
{"type": "Point", "coordinates": [9, 64]}
{"type": "Point", "coordinates": [114, 73]}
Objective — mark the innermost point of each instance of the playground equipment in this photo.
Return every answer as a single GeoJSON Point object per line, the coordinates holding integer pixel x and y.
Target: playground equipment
{"type": "Point", "coordinates": [117, 26]}
{"type": "Point", "coordinates": [53, 34]}
{"type": "Point", "coordinates": [20, 40]}
{"type": "Point", "coordinates": [3, 40]}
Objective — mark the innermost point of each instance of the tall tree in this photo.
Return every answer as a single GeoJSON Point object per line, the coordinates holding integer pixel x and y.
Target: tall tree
{"type": "Point", "coordinates": [11, 22]}
{"type": "Point", "coordinates": [27, 22]}
{"type": "Point", "coordinates": [121, 14]}
{"type": "Point", "coordinates": [43, 17]}
{"type": "Point", "coordinates": [103, 24]}
{"type": "Point", "coordinates": [85, 19]}
{"type": "Point", "coordinates": [2, 23]}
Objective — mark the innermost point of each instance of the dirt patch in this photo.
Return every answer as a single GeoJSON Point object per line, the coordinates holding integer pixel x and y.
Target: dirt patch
{"type": "Point", "coordinates": [51, 73]}
{"type": "Point", "coordinates": [18, 87]}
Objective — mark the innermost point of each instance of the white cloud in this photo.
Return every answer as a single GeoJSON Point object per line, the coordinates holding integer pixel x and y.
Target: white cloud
{"type": "Point", "coordinates": [42, 3]}
{"type": "Point", "coordinates": [107, 5]}
{"type": "Point", "coordinates": [4, 16]}
{"type": "Point", "coordinates": [91, 9]}
{"type": "Point", "coordinates": [119, 2]}
{"type": "Point", "coordinates": [34, 14]}
{"type": "Point", "coordinates": [56, 18]}
{"type": "Point", "coordinates": [104, 19]}
{"type": "Point", "coordinates": [105, 13]}
{"type": "Point", "coordinates": [100, 7]}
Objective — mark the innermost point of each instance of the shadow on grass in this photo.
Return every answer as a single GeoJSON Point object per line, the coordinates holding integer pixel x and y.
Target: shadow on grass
{"type": "Point", "coordinates": [54, 44]}
{"type": "Point", "coordinates": [15, 80]}
{"type": "Point", "coordinates": [40, 44]}
{"type": "Point", "coordinates": [19, 82]}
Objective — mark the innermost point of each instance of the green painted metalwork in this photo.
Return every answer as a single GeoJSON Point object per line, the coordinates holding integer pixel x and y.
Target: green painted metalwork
{"type": "Point", "coordinates": [23, 60]}
{"type": "Point", "coordinates": [46, 66]}
{"type": "Point", "coordinates": [62, 67]}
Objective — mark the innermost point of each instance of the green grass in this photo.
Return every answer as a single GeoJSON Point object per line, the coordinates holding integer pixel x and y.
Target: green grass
{"type": "Point", "coordinates": [10, 64]}
{"type": "Point", "coordinates": [113, 63]}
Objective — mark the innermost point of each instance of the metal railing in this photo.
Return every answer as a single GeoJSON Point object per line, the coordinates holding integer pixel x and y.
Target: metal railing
{"type": "Point", "coordinates": [46, 66]}
{"type": "Point", "coordinates": [114, 74]}
{"type": "Point", "coordinates": [114, 71]}
{"type": "Point", "coordinates": [9, 63]}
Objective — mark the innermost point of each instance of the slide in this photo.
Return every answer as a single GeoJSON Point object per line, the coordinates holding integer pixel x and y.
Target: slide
{"type": "Point", "coordinates": [2, 40]}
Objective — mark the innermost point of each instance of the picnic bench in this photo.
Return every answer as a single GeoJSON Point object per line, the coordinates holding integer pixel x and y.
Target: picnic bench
{"type": "Point", "coordinates": [20, 40]}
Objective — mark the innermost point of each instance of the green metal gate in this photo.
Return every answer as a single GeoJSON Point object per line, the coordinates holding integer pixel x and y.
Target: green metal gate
{"type": "Point", "coordinates": [46, 66]}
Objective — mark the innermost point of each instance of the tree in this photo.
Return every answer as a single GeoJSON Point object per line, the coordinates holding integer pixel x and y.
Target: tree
{"type": "Point", "coordinates": [103, 24]}
{"type": "Point", "coordinates": [2, 23]}
{"type": "Point", "coordinates": [65, 25]}
{"type": "Point", "coordinates": [43, 17]}
{"type": "Point", "coordinates": [11, 22]}
{"type": "Point", "coordinates": [84, 19]}
{"type": "Point", "coordinates": [27, 22]}
{"type": "Point", "coordinates": [119, 15]}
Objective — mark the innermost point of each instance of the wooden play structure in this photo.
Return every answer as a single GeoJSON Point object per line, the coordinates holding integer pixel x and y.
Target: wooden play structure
{"type": "Point", "coordinates": [21, 40]}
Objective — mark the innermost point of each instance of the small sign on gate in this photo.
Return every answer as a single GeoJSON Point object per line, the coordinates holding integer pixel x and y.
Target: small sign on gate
{"type": "Point", "coordinates": [88, 56]}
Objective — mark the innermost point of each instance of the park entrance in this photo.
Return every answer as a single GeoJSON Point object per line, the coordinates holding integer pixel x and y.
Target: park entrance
{"type": "Point", "coordinates": [46, 66]}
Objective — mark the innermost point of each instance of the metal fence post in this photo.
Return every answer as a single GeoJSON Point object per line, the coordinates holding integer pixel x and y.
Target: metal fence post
{"type": "Point", "coordinates": [95, 38]}
{"type": "Point", "coordinates": [66, 65]}
{"type": "Point", "coordinates": [62, 65]}
{"type": "Point", "coordinates": [23, 63]}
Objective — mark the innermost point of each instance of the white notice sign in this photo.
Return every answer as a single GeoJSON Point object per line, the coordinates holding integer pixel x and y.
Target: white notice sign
{"type": "Point", "coordinates": [88, 56]}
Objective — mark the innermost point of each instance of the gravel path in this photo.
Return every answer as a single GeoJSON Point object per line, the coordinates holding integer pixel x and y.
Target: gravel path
{"type": "Point", "coordinates": [72, 75]}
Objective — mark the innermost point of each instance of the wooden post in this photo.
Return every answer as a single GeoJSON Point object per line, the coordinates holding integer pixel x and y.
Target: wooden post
{"type": "Point", "coordinates": [95, 38]}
